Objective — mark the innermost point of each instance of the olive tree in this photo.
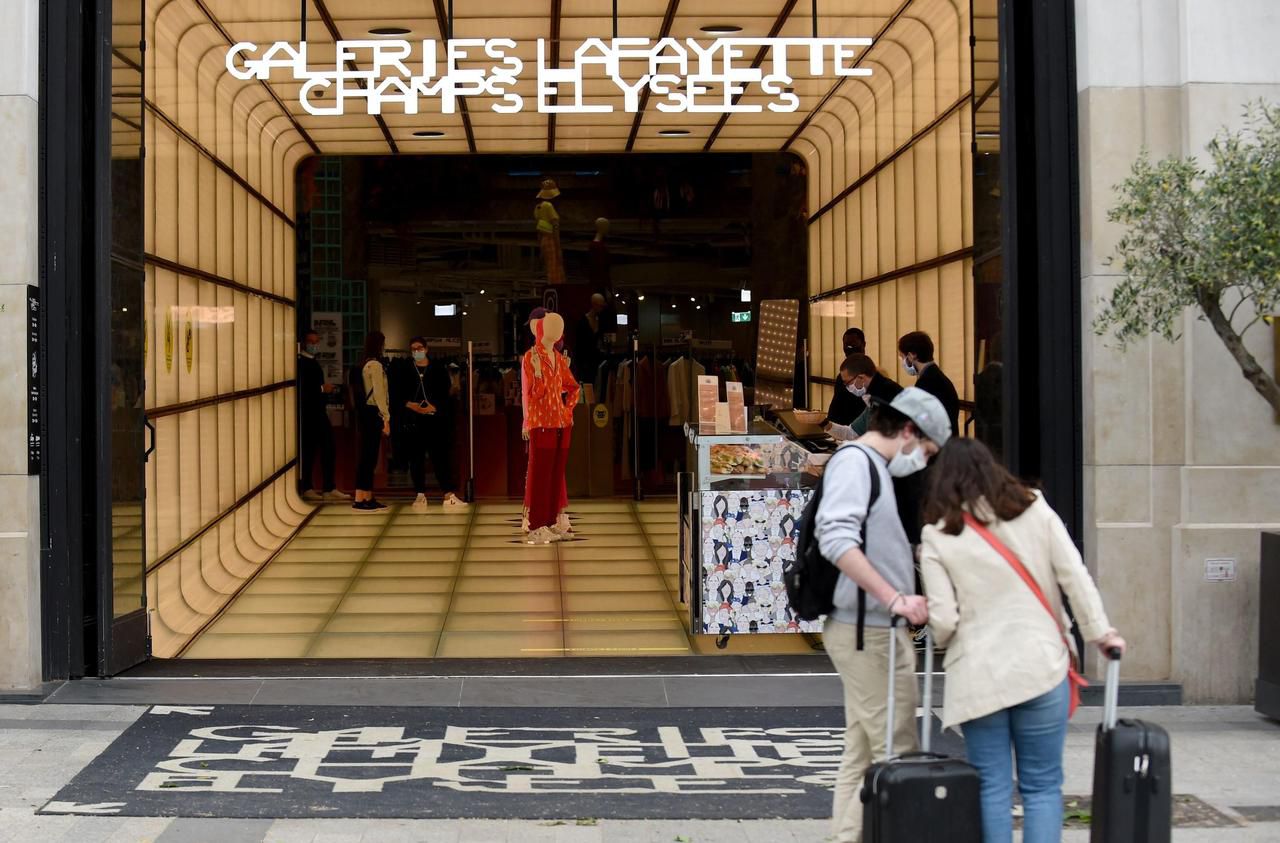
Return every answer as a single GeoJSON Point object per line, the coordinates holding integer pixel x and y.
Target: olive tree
{"type": "Point", "coordinates": [1203, 237]}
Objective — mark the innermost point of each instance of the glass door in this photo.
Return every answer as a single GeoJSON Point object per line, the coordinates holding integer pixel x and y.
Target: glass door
{"type": "Point", "coordinates": [122, 628]}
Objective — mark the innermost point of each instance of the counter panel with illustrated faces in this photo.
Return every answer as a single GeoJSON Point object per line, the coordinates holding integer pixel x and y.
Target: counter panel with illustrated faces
{"type": "Point", "coordinates": [747, 540]}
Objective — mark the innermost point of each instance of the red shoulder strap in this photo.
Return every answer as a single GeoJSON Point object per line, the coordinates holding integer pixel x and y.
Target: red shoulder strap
{"type": "Point", "coordinates": [1018, 568]}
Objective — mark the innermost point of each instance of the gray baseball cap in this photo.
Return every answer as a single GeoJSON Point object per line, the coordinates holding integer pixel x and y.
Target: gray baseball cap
{"type": "Point", "coordinates": [926, 412]}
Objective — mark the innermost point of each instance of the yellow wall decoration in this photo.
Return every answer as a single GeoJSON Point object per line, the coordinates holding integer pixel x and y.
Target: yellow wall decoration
{"type": "Point", "coordinates": [168, 341]}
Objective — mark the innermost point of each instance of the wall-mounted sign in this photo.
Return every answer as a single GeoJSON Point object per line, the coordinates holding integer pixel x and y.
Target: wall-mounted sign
{"type": "Point", "coordinates": [679, 75]}
{"type": "Point", "coordinates": [35, 438]}
{"type": "Point", "coordinates": [740, 316]}
{"type": "Point", "coordinates": [328, 325]}
{"type": "Point", "coordinates": [1219, 570]}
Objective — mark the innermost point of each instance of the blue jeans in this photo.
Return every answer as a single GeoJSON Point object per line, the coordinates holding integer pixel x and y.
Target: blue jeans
{"type": "Point", "coordinates": [1035, 731]}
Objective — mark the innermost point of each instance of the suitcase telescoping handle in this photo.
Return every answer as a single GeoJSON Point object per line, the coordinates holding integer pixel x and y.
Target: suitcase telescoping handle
{"type": "Point", "coordinates": [926, 733]}
{"type": "Point", "coordinates": [1111, 694]}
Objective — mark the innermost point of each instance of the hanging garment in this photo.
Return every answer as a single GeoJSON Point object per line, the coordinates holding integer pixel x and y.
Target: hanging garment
{"type": "Point", "coordinates": [682, 380]}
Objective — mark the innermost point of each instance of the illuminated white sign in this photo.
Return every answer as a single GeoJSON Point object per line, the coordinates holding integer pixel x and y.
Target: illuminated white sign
{"type": "Point", "coordinates": [679, 75]}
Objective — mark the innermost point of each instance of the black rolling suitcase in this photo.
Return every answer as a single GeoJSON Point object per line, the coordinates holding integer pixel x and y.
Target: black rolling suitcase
{"type": "Point", "coordinates": [1132, 776]}
{"type": "Point", "coordinates": [920, 797]}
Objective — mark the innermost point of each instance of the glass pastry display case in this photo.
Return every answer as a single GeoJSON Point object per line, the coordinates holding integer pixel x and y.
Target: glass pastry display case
{"type": "Point", "coordinates": [739, 515]}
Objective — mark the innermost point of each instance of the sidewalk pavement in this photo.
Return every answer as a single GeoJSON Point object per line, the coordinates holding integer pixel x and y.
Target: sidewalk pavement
{"type": "Point", "coordinates": [1226, 757]}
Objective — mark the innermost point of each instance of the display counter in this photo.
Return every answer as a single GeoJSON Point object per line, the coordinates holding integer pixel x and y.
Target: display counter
{"type": "Point", "coordinates": [739, 515]}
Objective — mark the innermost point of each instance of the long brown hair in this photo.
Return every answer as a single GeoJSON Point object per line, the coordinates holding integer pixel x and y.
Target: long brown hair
{"type": "Point", "coordinates": [374, 343]}
{"type": "Point", "coordinates": [964, 473]}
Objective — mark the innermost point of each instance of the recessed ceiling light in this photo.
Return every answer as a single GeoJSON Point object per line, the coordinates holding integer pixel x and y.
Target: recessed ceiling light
{"type": "Point", "coordinates": [721, 28]}
{"type": "Point", "coordinates": [673, 133]}
{"type": "Point", "coordinates": [428, 133]}
{"type": "Point", "coordinates": [389, 31]}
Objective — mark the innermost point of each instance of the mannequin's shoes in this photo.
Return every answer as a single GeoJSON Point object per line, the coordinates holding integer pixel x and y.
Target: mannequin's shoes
{"type": "Point", "coordinates": [420, 503]}
{"type": "Point", "coordinates": [542, 535]}
{"type": "Point", "coordinates": [524, 521]}
{"type": "Point", "coordinates": [562, 527]}
{"type": "Point", "coordinates": [451, 500]}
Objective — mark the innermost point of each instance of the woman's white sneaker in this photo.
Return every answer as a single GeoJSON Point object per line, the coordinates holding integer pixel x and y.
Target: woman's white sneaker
{"type": "Point", "coordinates": [420, 503]}
{"type": "Point", "coordinates": [451, 500]}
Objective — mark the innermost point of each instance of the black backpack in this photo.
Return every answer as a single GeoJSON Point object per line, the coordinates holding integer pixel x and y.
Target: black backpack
{"type": "Point", "coordinates": [811, 579]}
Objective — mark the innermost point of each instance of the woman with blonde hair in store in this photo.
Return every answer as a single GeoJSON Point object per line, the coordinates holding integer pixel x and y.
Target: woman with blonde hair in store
{"type": "Point", "coordinates": [373, 420]}
{"type": "Point", "coordinates": [996, 560]}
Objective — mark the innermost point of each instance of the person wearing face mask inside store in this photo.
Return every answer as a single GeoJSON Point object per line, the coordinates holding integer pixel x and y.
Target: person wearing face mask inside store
{"type": "Point", "coordinates": [915, 350]}
{"type": "Point", "coordinates": [858, 529]}
{"type": "Point", "coordinates": [424, 389]}
{"type": "Point", "coordinates": [845, 407]}
{"type": "Point", "coordinates": [860, 380]}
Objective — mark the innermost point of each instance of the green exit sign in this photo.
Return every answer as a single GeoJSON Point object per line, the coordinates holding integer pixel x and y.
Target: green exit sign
{"type": "Point", "coordinates": [740, 316]}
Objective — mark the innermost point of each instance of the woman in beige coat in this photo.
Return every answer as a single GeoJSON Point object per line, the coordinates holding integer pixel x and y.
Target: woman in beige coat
{"type": "Point", "coordinates": [1007, 658]}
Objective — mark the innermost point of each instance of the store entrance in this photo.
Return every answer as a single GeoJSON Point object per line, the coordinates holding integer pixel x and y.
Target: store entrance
{"type": "Point", "coordinates": [657, 264]}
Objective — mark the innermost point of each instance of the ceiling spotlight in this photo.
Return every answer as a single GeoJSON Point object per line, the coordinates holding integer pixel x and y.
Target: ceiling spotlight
{"type": "Point", "coordinates": [721, 28]}
{"type": "Point", "coordinates": [428, 133]}
{"type": "Point", "coordinates": [691, 298]}
{"type": "Point", "coordinates": [640, 297]}
{"type": "Point", "coordinates": [697, 307]}
{"type": "Point", "coordinates": [673, 133]}
{"type": "Point", "coordinates": [482, 291]}
{"type": "Point", "coordinates": [389, 31]}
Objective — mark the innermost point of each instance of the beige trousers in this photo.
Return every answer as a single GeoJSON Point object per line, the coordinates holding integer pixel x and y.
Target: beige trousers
{"type": "Point", "coordinates": [865, 676]}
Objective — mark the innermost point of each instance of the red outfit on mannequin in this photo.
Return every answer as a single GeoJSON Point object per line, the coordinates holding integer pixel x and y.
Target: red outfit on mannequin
{"type": "Point", "coordinates": [550, 393]}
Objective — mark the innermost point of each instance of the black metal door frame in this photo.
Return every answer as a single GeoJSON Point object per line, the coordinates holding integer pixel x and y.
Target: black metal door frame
{"type": "Point", "coordinates": [1043, 363]}
{"type": "Point", "coordinates": [79, 634]}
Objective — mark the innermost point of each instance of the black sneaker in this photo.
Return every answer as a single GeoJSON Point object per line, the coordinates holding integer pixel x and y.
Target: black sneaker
{"type": "Point", "coordinates": [364, 506]}
{"type": "Point", "coordinates": [377, 506]}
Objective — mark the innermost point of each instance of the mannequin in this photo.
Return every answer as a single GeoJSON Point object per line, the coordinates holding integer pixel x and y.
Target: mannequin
{"type": "Point", "coordinates": [536, 315]}
{"type": "Point", "coordinates": [549, 393]}
{"type": "Point", "coordinates": [547, 223]}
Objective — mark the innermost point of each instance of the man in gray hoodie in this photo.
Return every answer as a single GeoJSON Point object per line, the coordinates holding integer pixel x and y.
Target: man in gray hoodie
{"type": "Point", "coordinates": [901, 437]}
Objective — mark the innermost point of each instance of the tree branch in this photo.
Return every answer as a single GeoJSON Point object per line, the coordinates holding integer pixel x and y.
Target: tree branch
{"type": "Point", "coordinates": [1243, 298]}
{"type": "Point", "coordinates": [1265, 385]}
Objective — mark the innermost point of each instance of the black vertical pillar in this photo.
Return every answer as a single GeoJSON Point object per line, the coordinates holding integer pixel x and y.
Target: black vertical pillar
{"type": "Point", "coordinates": [1041, 232]}
{"type": "Point", "coordinates": [66, 278]}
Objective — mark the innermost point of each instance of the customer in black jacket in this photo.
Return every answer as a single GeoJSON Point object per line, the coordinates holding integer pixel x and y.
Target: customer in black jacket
{"type": "Point", "coordinates": [916, 351]}
{"type": "Point", "coordinates": [846, 407]}
{"type": "Point", "coordinates": [423, 393]}
{"type": "Point", "coordinates": [316, 434]}
{"type": "Point", "coordinates": [859, 383]}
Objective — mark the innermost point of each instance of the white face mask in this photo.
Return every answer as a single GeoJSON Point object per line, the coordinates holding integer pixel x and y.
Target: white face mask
{"type": "Point", "coordinates": [419, 355]}
{"type": "Point", "coordinates": [911, 370]}
{"type": "Point", "coordinates": [904, 464]}
{"type": "Point", "coordinates": [856, 390]}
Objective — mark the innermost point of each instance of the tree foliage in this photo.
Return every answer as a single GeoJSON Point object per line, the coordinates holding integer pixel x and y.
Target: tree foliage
{"type": "Point", "coordinates": [1203, 237]}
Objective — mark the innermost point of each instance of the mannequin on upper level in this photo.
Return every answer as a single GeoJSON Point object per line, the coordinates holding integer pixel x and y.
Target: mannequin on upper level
{"type": "Point", "coordinates": [549, 393]}
{"type": "Point", "coordinates": [547, 224]}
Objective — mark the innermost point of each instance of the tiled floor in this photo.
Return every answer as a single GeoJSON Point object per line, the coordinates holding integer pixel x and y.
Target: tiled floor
{"type": "Point", "coordinates": [461, 584]}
